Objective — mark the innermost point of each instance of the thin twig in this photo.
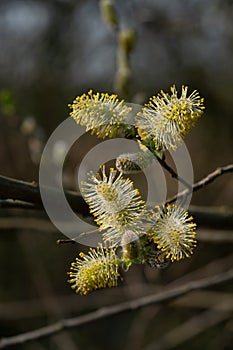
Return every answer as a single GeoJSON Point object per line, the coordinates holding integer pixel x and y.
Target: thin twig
{"type": "Point", "coordinates": [173, 173]}
{"type": "Point", "coordinates": [16, 190]}
{"type": "Point", "coordinates": [62, 241]}
{"type": "Point", "coordinates": [203, 182]}
{"type": "Point", "coordinates": [214, 236]}
{"type": "Point", "coordinates": [9, 204]}
{"type": "Point", "coordinates": [206, 299]}
{"type": "Point", "coordinates": [169, 169]}
{"type": "Point", "coordinates": [116, 309]}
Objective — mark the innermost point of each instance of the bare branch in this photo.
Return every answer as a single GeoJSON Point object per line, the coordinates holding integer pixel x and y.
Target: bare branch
{"type": "Point", "coordinates": [11, 189]}
{"type": "Point", "coordinates": [169, 169]}
{"type": "Point", "coordinates": [25, 195]}
{"type": "Point", "coordinates": [19, 190]}
{"type": "Point", "coordinates": [116, 309]}
{"type": "Point", "coordinates": [174, 174]}
{"type": "Point", "coordinates": [203, 182]}
{"type": "Point", "coordinates": [30, 193]}
{"type": "Point", "coordinates": [15, 310]}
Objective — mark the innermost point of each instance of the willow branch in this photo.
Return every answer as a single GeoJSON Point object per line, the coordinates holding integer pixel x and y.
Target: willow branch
{"type": "Point", "coordinates": [203, 182]}
{"type": "Point", "coordinates": [173, 173]}
{"type": "Point", "coordinates": [26, 195]}
{"type": "Point", "coordinates": [116, 309]}
{"type": "Point", "coordinates": [29, 192]}
{"type": "Point", "coordinates": [22, 192]}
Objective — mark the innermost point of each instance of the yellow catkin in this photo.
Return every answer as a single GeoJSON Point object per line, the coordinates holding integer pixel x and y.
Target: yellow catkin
{"type": "Point", "coordinates": [101, 113]}
{"type": "Point", "coordinates": [173, 231]}
{"type": "Point", "coordinates": [95, 270]}
{"type": "Point", "coordinates": [167, 118]}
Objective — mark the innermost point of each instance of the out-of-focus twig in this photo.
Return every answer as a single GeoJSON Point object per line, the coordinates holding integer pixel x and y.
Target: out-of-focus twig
{"type": "Point", "coordinates": [212, 217]}
{"type": "Point", "coordinates": [214, 236]}
{"type": "Point", "coordinates": [15, 204]}
{"type": "Point", "coordinates": [126, 43]}
{"type": "Point", "coordinates": [27, 223]}
{"type": "Point", "coordinates": [116, 309]}
{"type": "Point", "coordinates": [32, 308]}
{"type": "Point", "coordinates": [126, 39]}
{"type": "Point", "coordinates": [138, 328]}
{"type": "Point", "coordinates": [203, 299]}
{"type": "Point", "coordinates": [188, 329]}
{"type": "Point", "coordinates": [42, 283]}
{"type": "Point", "coordinates": [218, 265]}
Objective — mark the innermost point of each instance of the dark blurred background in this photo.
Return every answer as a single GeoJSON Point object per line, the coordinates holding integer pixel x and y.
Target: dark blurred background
{"type": "Point", "coordinates": [52, 51]}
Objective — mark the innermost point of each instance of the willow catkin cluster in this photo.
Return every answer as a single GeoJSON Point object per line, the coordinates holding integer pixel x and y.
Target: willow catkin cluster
{"type": "Point", "coordinates": [156, 236]}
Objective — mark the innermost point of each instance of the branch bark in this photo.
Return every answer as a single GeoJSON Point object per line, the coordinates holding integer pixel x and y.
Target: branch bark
{"type": "Point", "coordinates": [29, 192]}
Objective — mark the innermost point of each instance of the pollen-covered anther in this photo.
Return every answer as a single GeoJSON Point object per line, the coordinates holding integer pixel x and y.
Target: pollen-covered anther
{"type": "Point", "coordinates": [166, 119]}
{"type": "Point", "coordinates": [115, 204]}
{"type": "Point", "coordinates": [173, 231]}
{"type": "Point", "coordinates": [95, 270]}
{"type": "Point", "coordinates": [102, 114]}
